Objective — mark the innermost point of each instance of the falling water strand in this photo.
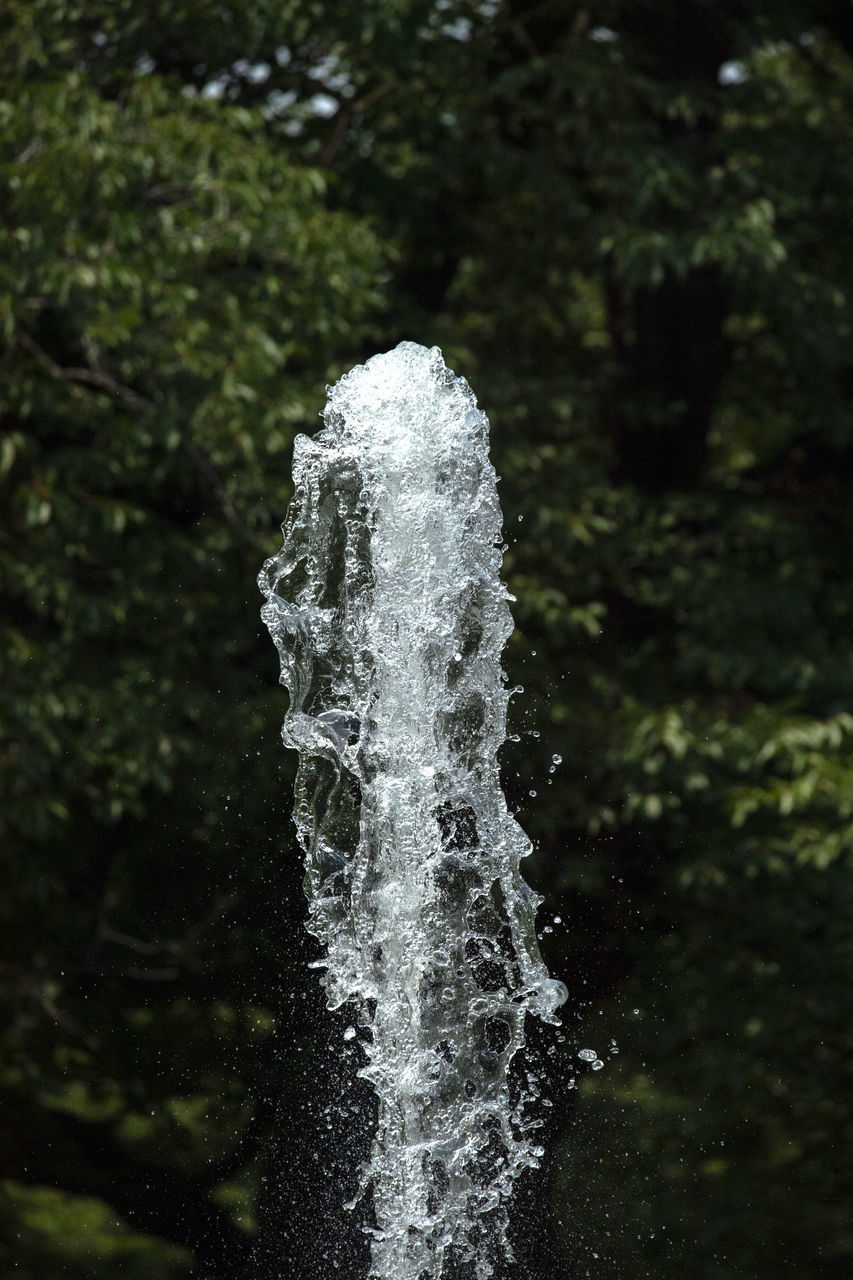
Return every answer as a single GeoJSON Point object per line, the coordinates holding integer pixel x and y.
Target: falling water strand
{"type": "Point", "coordinates": [387, 610]}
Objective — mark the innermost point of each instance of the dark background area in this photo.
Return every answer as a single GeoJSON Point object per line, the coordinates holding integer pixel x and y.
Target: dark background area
{"type": "Point", "coordinates": [629, 226]}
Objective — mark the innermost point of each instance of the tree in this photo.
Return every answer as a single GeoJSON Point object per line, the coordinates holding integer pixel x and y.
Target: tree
{"type": "Point", "coordinates": [626, 224]}
{"type": "Point", "coordinates": [174, 293]}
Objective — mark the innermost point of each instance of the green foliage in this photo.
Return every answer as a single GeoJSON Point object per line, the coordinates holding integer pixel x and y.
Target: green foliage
{"type": "Point", "coordinates": [641, 265]}
{"type": "Point", "coordinates": [80, 1238]}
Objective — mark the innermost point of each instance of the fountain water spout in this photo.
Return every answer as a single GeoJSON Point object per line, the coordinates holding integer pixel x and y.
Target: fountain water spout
{"type": "Point", "coordinates": [387, 609]}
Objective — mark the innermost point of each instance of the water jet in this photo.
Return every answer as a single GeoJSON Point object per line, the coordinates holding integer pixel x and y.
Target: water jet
{"type": "Point", "coordinates": [386, 607]}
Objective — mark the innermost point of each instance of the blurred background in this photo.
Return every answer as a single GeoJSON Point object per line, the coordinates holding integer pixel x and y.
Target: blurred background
{"type": "Point", "coordinates": [628, 224]}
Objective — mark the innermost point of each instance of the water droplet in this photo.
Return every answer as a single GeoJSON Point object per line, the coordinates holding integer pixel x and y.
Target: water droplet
{"type": "Point", "coordinates": [532, 792]}
{"type": "Point", "coordinates": [349, 1034]}
{"type": "Point", "coordinates": [557, 758]}
{"type": "Point", "coordinates": [597, 1065]}
{"type": "Point", "coordinates": [587, 1055]}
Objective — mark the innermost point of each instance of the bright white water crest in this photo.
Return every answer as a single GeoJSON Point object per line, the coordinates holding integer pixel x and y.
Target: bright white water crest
{"type": "Point", "coordinates": [387, 610]}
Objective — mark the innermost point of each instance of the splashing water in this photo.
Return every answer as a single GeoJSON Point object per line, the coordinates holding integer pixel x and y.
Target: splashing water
{"type": "Point", "coordinates": [389, 616]}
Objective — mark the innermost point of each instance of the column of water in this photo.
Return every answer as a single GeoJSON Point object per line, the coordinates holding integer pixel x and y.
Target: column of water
{"type": "Point", "coordinates": [387, 609]}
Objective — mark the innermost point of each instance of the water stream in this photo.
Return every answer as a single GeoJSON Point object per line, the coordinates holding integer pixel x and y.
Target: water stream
{"type": "Point", "coordinates": [389, 616]}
